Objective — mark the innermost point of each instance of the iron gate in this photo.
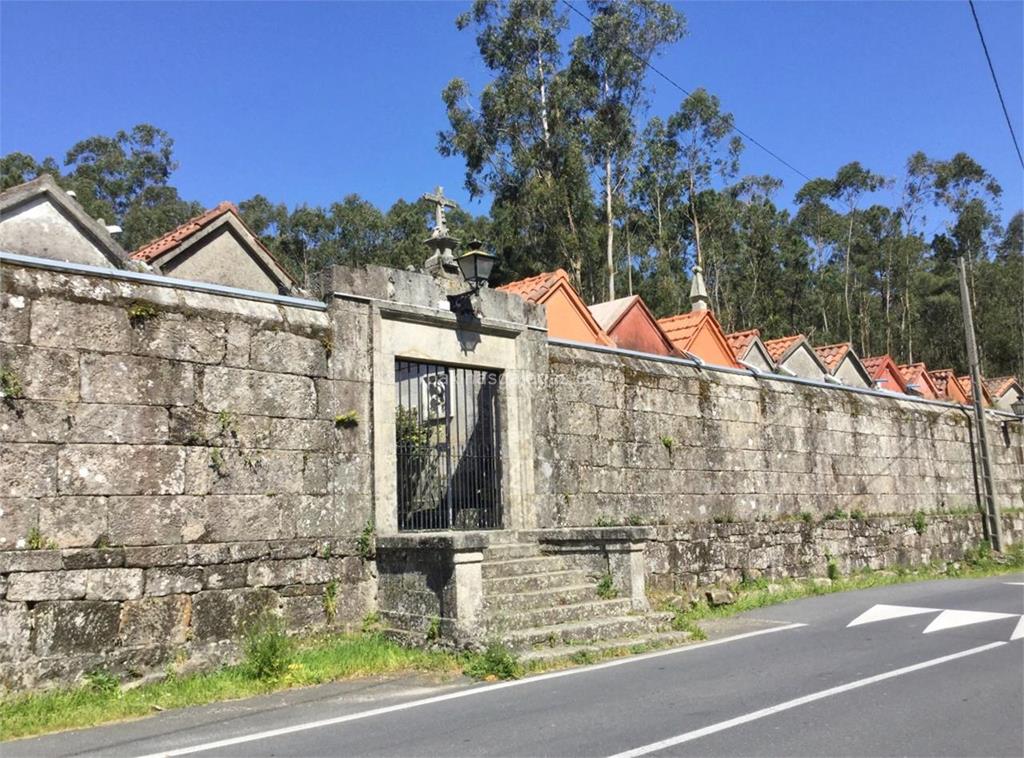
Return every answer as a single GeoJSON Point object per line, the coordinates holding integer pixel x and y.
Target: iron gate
{"type": "Point", "coordinates": [448, 443]}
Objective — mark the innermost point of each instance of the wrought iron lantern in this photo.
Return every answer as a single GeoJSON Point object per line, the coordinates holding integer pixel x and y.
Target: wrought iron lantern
{"type": "Point", "coordinates": [1018, 408]}
{"type": "Point", "coordinates": [476, 265]}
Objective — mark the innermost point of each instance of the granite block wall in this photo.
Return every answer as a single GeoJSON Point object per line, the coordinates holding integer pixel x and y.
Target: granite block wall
{"type": "Point", "coordinates": [170, 468]}
{"type": "Point", "coordinates": [699, 555]}
{"type": "Point", "coordinates": [628, 440]}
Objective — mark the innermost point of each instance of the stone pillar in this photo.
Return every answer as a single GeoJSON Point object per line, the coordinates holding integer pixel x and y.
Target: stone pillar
{"type": "Point", "coordinates": [627, 567]}
{"type": "Point", "coordinates": [469, 592]}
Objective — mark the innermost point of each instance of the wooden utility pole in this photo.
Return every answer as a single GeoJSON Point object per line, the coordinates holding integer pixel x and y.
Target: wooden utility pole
{"type": "Point", "coordinates": [993, 521]}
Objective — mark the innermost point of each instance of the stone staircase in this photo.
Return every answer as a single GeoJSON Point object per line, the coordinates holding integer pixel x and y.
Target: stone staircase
{"type": "Point", "coordinates": [542, 607]}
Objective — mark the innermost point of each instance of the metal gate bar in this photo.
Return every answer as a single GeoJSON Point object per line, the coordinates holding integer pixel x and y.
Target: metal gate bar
{"type": "Point", "coordinates": [448, 447]}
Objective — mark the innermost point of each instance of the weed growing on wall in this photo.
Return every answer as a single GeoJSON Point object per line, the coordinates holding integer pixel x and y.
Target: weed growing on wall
{"type": "Point", "coordinates": [366, 546]}
{"type": "Point", "coordinates": [347, 420]}
{"type": "Point", "coordinates": [832, 569]}
{"type": "Point", "coordinates": [331, 601]}
{"type": "Point", "coordinates": [217, 462]}
{"type": "Point", "coordinates": [371, 622]}
{"type": "Point", "coordinates": [36, 540]}
{"type": "Point", "coordinates": [605, 588]}
{"type": "Point", "coordinates": [920, 522]}
{"type": "Point", "coordinates": [434, 629]}
{"type": "Point", "coordinates": [140, 312]}
{"type": "Point", "coordinates": [227, 424]}
{"type": "Point", "coordinates": [10, 385]}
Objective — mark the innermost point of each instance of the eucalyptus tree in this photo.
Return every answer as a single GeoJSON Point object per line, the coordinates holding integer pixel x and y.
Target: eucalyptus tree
{"type": "Point", "coordinates": [109, 174]}
{"type": "Point", "coordinates": [17, 168]}
{"type": "Point", "coordinates": [850, 184]}
{"type": "Point", "coordinates": [608, 70]}
{"type": "Point", "coordinates": [709, 153]}
{"type": "Point", "coordinates": [521, 137]}
{"type": "Point", "coordinates": [657, 200]}
{"type": "Point", "coordinates": [155, 211]}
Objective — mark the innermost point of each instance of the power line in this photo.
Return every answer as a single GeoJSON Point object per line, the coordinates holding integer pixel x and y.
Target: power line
{"type": "Point", "coordinates": [686, 92]}
{"type": "Point", "coordinates": [995, 81]}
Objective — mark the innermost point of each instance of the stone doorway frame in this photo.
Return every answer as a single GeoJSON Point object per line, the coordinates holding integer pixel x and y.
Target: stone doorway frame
{"type": "Point", "coordinates": [435, 336]}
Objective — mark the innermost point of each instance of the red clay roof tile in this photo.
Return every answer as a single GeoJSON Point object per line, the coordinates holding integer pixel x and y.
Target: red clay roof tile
{"type": "Point", "coordinates": [740, 341]}
{"type": "Point", "coordinates": [781, 346]}
{"type": "Point", "coordinates": [968, 385]}
{"type": "Point", "coordinates": [534, 288]}
{"type": "Point", "coordinates": [682, 329]}
{"type": "Point", "coordinates": [941, 379]}
{"type": "Point", "coordinates": [996, 387]}
{"type": "Point", "coordinates": [832, 355]}
{"type": "Point", "coordinates": [917, 374]}
{"type": "Point", "coordinates": [173, 238]}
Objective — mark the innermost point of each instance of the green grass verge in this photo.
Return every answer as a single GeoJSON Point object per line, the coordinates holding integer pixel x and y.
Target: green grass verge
{"type": "Point", "coordinates": [314, 661]}
{"type": "Point", "coordinates": [336, 657]}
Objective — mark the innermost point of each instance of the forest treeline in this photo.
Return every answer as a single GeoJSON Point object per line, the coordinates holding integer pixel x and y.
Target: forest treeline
{"type": "Point", "coordinates": [583, 176]}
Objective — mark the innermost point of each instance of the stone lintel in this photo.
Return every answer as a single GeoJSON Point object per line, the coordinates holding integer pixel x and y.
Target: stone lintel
{"type": "Point", "coordinates": [457, 542]}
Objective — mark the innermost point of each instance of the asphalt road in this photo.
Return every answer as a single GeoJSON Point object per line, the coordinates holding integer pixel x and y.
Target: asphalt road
{"type": "Point", "coordinates": [792, 680]}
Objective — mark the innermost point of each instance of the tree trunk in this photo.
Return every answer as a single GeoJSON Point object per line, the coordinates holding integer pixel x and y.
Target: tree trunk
{"type": "Point", "coordinates": [610, 225]}
{"type": "Point", "coordinates": [696, 224]}
{"type": "Point", "coordinates": [846, 281]}
{"type": "Point", "coordinates": [543, 101]}
{"type": "Point", "coordinates": [629, 260]}
{"type": "Point", "coordinates": [888, 301]}
{"type": "Point", "coordinates": [574, 260]}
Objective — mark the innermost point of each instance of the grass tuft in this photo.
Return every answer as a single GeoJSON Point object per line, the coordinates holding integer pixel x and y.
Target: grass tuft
{"type": "Point", "coordinates": [496, 662]}
{"type": "Point", "coordinates": [268, 649]}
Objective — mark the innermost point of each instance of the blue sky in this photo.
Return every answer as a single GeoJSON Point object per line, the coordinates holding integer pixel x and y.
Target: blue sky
{"type": "Point", "coordinates": [307, 102]}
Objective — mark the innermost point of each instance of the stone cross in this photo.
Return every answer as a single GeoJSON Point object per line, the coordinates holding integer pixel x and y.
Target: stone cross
{"type": "Point", "coordinates": [441, 202]}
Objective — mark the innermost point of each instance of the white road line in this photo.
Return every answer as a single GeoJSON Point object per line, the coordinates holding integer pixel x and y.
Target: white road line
{"type": "Point", "coordinates": [721, 726]}
{"type": "Point", "coordinates": [459, 694]}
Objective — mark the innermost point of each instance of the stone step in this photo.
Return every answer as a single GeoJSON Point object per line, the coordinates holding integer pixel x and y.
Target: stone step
{"type": "Point", "coordinates": [540, 564]}
{"type": "Point", "coordinates": [507, 585]}
{"type": "Point", "coordinates": [542, 598]}
{"type": "Point", "coordinates": [591, 631]}
{"type": "Point", "coordinates": [654, 640]}
{"type": "Point", "coordinates": [559, 614]}
{"type": "Point", "coordinates": [511, 551]}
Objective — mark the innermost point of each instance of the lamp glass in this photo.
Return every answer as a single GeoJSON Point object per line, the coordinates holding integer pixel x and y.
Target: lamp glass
{"type": "Point", "coordinates": [1018, 407]}
{"type": "Point", "coordinates": [476, 266]}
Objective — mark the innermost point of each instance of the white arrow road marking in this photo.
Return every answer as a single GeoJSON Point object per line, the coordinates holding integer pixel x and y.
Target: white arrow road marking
{"type": "Point", "coordinates": [1018, 633]}
{"type": "Point", "coordinates": [884, 612]}
{"type": "Point", "coordinates": [952, 619]}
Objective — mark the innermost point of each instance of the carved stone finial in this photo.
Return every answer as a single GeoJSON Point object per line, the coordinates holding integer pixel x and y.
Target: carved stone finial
{"type": "Point", "coordinates": [440, 203]}
{"type": "Point", "coordinates": [698, 291]}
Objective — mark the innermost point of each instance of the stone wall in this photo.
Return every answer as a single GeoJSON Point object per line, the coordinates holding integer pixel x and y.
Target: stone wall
{"type": "Point", "coordinates": [170, 468]}
{"type": "Point", "coordinates": [700, 555]}
{"type": "Point", "coordinates": [175, 462]}
{"type": "Point", "coordinates": [629, 440]}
